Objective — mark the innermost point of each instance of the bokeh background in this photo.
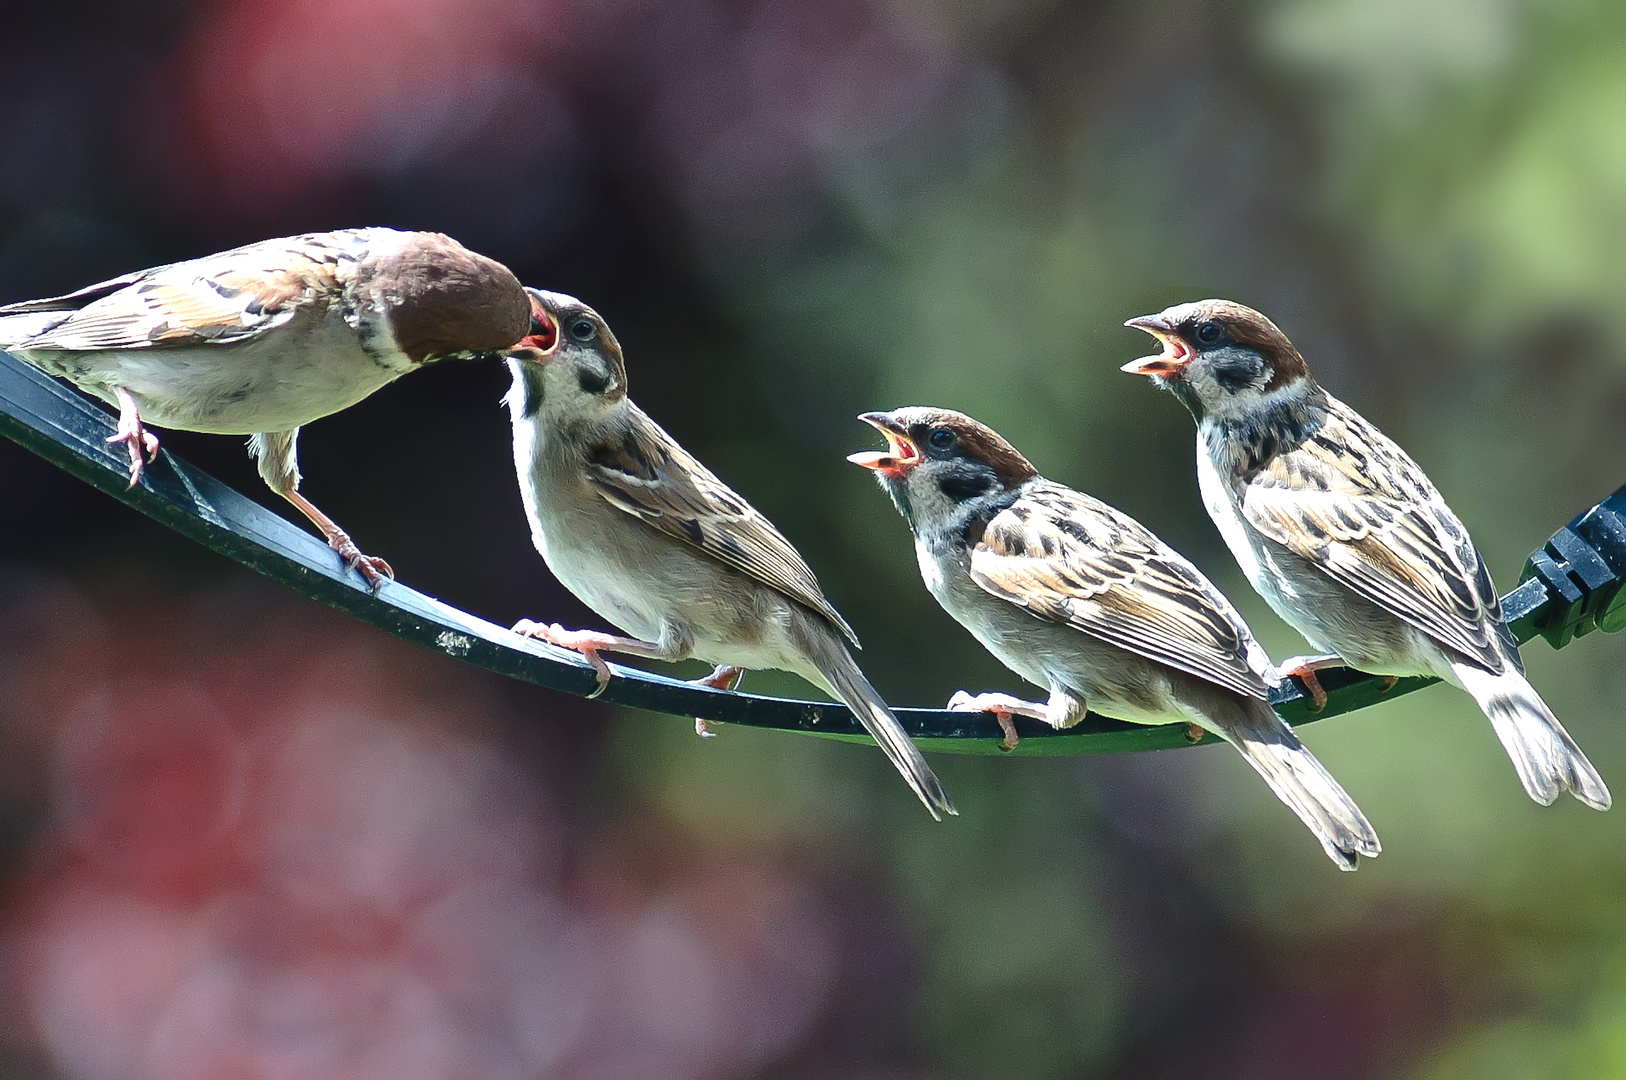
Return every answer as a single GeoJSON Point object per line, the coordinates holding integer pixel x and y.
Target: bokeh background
{"type": "Point", "coordinates": [241, 836]}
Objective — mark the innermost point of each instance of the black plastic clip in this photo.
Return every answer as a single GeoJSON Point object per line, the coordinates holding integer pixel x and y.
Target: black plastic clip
{"type": "Point", "coordinates": [1583, 567]}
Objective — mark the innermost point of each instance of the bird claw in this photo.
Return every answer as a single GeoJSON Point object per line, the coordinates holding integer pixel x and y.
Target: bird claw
{"type": "Point", "coordinates": [1312, 685]}
{"type": "Point", "coordinates": [133, 434]}
{"type": "Point", "coordinates": [1194, 734]}
{"type": "Point", "coordinates": [585, 642]}
{"type": "Point", "coordinates": [1303, 668]}
{"type": "Point", "coordinates": [1008, 726]}
{"type": "Point", "coordinates": [722, 677]}
{"type": "Point", "coordinates": [988, 703]}
{"type": "Point", "coordinates": [136, 439]}
{"type": "Point", "coordinates": [373, 569]}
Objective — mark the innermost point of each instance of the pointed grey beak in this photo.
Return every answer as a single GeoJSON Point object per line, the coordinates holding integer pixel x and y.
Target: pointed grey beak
{"type": "Point", "coordinates": [900, 455]}
{"type": "Point", "coordinates": [1171, 361]}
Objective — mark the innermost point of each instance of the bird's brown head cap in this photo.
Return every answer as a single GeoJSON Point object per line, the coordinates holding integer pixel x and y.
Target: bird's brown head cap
{"type": "Point", "coordinates": [1188, 330]}
{"type": "Point", "coordinates": [942, 465]}
{"type": "Point", "coordinates": [916, 434]}
{"type": "Point", "coordinates": [444, 301]}
{"type": "Point", "coordinates": [1219, 357]}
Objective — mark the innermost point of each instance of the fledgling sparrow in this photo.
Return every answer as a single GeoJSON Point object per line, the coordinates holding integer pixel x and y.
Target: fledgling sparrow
{"type": "Point", "coordinates": [1082, 599]}
{"type": "Point", "coordinates": [263, 339]}
{"type": "Point", "coordinates": [647, 537]}
{"type": "Point", "coordinates": [1344, 536]}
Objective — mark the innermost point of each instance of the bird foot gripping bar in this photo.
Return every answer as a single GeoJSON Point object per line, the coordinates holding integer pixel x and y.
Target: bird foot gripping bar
{"type": "Point", "coordinates": [1570, 587]}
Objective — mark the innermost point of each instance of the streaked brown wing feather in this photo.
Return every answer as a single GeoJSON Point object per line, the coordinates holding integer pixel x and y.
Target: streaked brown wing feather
{"type": "Point", "coordinates": [79, 297]}
{"type": "Point", "coordinates": [1073, 559]}
{"type": "Point", "coordinates": [220, 299]}
{"type": "Point", "coordinates": [649, 475]}
{"type": "Point", "coordinates": [1357, 506]}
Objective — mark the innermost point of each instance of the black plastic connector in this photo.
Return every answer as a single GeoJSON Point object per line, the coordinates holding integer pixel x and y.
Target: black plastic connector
{"type": "Point", "coordinates": [1583, 568]}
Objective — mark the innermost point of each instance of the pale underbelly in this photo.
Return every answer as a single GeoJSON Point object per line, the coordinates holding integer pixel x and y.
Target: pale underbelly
{"type": "Point", "coordinates": [225, 393]}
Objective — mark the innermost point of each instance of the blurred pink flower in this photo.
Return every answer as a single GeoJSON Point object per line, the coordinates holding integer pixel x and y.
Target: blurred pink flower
{"type": "Point", "coordinates": [299, 851]}
{"type": "Point", "coordinates": [283, 96]}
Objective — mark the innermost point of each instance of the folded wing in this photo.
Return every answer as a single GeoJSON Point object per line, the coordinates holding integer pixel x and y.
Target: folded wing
{"type": "Point", "coordinates": [1379, 528]}
{"type": "Point", "coordinates": [1073, 559]}
{"type": "Point", "coordinates": [220, 299]}
{"type": "Point", "coordinates": [649, 475]}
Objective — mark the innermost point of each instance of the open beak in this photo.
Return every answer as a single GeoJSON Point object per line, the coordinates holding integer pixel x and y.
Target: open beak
{"type": "Point", "coordinates": [1171, 361]}
{"type": "Point", "coordinates": [538, 346]}
{"type": "Point", "coordinates": [900, 454]}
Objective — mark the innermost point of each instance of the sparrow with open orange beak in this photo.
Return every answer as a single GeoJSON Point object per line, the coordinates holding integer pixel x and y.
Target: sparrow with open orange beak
{"type": "Point", "coordinates": [1344, 536]}
{"type": "Point", "coordinates": [650, 539]}
{"type": "Point", "coordinates": [1083, 600]}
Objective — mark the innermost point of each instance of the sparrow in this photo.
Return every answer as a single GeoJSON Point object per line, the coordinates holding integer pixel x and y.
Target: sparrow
{"type": "Point", "coordinates": [263, 339]}
{"type": "Point", "coordinates": [1081, 599]}
{"type": "Point", "coordinates": [651, 540]}
{"type": "Point", "coordinates": [1344, 536]}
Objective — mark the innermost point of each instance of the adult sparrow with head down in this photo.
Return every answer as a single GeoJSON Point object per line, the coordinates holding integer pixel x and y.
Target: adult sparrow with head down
{"type": "Point", "coordinates": [263, 339]}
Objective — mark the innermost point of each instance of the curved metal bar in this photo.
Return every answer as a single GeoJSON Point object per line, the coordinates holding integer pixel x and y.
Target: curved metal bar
{"type": "Point", "coordinates": [70, 431]}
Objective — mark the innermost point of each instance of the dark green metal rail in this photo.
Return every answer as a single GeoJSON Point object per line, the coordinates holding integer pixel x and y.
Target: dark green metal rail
{"type": "Point", "coordinates": [1570, 587]}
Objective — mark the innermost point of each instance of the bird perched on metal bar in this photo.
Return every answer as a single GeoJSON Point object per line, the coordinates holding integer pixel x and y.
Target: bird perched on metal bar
{"type": "Point", "coordinates": [1083, 600]}
{"type": "Point", "coordinates": [263, 339]}
{"type": "Point", "coordinates": [1344, 536]}
{"type": "Point", "coordinates": [650, 539]}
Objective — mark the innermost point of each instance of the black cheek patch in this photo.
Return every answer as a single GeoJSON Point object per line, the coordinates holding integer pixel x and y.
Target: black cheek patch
{"type": "Point", "coordinates": [592, 382]}
{"type": "Point", "coordinates": [962, 486]}
{"type": "Point", "coordinates": [530, 381]}
{"type": "Point", "coordinates": [1237, 370]}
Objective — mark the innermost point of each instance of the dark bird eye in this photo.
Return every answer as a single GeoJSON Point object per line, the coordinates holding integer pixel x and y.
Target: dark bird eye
{"type": "Point", "coordinates": [941, 440]}
{"type": "Point", "coordinates": [583, 330]}
{"type": "Point", "coordinates": [1209, 333]}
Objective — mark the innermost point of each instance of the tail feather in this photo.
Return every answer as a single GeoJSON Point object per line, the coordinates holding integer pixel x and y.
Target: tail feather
{"type": "Point", "coordinates": [1545, 757]}
{"type": "Point", "coordinates": [1303, 783]}
{"type": "Point", "coordinates": [843, 679]}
